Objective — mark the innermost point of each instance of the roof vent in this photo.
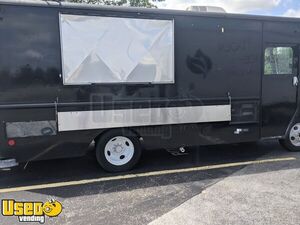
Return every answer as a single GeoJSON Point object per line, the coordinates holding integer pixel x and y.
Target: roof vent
{"type": "Point", "coordinates": [213, 9]}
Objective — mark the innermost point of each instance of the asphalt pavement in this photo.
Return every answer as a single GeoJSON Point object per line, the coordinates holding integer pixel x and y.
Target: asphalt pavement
{"type": "Point", "coordinates": [228, 184]}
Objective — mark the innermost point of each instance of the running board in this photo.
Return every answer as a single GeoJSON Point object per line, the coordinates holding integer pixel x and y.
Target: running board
{"type": "Point", "coordinates": [8, 163]}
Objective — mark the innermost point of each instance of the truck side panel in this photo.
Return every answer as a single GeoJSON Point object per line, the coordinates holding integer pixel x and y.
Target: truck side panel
{"type": "Point", "coordinates": [217, 62]}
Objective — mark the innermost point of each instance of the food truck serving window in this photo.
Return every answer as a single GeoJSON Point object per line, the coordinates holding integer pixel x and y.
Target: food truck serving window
{"type": "Point", "coordinates": [97, 49]}
{"type": "Point", "coordinates": [279, 60]}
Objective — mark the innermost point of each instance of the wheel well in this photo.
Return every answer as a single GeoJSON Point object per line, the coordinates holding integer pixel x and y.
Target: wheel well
{"type": "Point", "coordinates": [107, 130]}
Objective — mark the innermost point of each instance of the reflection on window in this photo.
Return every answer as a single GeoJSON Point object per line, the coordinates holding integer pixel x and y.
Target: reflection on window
{"type": "Point", "coordinates": [279, 60]}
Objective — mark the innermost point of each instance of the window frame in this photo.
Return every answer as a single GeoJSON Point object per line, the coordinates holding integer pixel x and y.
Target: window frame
{"type": "Point", "coordinates": [173, 74]}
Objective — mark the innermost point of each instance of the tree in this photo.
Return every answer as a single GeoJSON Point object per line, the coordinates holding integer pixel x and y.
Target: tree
{"type": "Point", "coordinates": [135, 3]}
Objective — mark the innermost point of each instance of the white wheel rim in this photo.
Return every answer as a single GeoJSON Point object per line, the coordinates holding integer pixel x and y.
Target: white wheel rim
{"type": "Point", "coordinates": [295, 135]}
{"type": "Point", "coordinates": [119, 150]}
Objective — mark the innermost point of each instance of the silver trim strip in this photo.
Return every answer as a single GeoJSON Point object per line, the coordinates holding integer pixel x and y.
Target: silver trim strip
{"type": "Point", "coordinates": [86, 120]}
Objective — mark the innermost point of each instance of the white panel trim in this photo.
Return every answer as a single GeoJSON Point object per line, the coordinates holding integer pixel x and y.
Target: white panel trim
{"type": "Point", "coordinates": [87, 120]}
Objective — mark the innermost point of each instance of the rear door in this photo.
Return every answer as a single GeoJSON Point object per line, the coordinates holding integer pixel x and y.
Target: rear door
{"type": "Point", "coordinates": [279, 79]}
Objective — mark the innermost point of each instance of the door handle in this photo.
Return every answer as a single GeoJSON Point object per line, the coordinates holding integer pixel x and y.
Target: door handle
{"type": "Point", "coordinates": [295, 81]}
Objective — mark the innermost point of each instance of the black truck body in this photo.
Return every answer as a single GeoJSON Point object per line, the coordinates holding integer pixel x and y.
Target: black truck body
{"type": "Point", "coordinates": [239, 72]}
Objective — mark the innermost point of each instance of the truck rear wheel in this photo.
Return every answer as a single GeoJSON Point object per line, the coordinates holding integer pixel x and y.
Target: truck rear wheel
{"type": "Point", "coordinates": [292, 139]}
{"type": "Point", "coordinates": [118, 150]}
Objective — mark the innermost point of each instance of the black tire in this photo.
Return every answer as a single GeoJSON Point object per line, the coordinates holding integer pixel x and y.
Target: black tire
{"type": "Point", "coordinates": [287, 142]}
{"type": "Point", "coordinates": [107, 137]}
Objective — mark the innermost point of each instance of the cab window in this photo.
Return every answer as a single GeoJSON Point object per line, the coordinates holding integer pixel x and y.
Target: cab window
{"type": "Point", "coordinates": [279, 60]}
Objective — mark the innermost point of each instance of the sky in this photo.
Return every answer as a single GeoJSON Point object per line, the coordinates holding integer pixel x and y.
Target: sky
{"type": "Point", "coordinates": [289, 8]}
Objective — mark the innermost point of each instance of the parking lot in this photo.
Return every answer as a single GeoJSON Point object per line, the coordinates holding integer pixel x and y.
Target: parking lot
{"type": "Point", "coordinates": [228, 184]}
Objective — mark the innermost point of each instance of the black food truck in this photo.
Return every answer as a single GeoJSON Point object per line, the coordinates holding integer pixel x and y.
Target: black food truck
{"type": "Point", "coordinates": [129, 79]}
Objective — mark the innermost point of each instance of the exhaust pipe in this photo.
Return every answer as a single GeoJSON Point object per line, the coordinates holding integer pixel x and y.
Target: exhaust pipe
{"type": "Point", "coordinates": [182, 149]}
